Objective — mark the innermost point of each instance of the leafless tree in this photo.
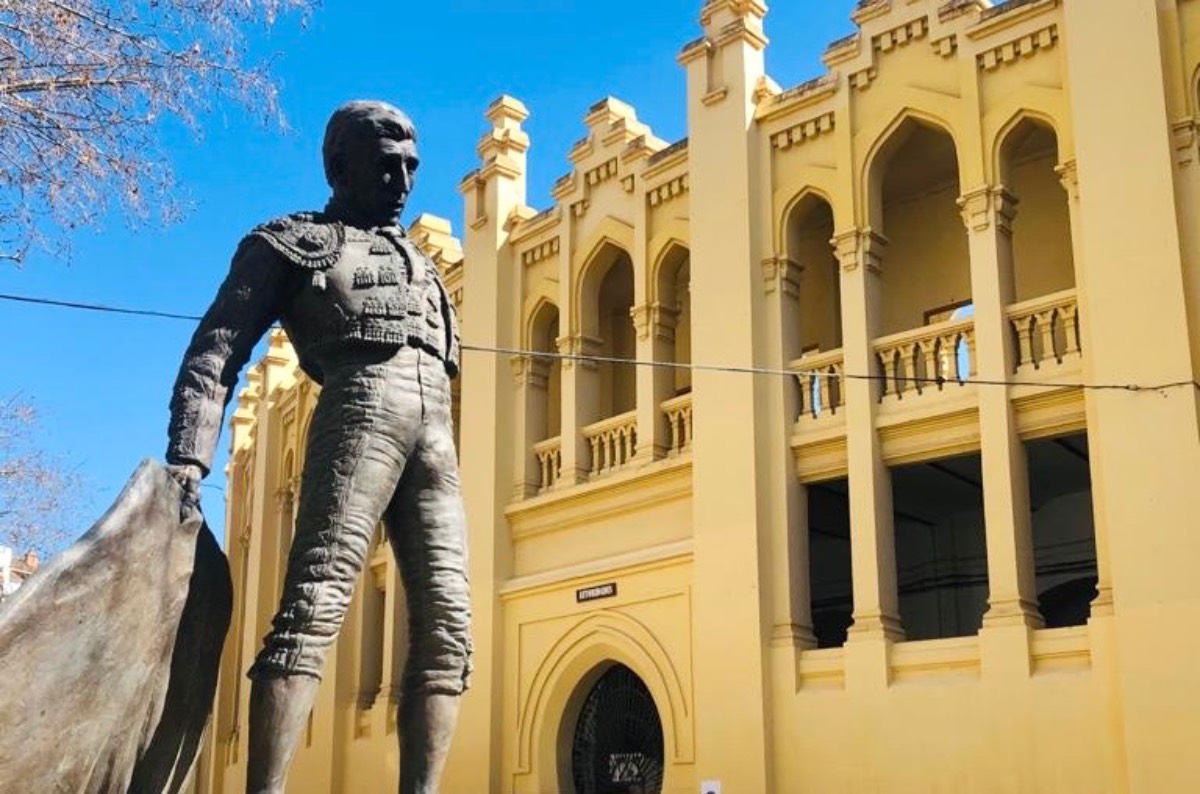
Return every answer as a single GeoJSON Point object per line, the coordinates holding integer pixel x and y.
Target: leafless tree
{"type": "Point", "coordinates": [83, 87]}
{"type": "Point", "coordinates": [38, 495]}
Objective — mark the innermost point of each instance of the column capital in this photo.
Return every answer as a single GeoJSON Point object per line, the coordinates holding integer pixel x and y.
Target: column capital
{"type": "Point", "coordinates": [578, 345]}
{"type": "Point", "coordinates": [781, 274]}
{"type": "Point", "coordinates": [654, 317]}
{"type": "Point", "coordinates": [1068, 177]}
{"type": "Point", "coordinates": [529, 371]}
{"type": "Point", "coordinates": [859, 247]}
{"type": "Point", "coordinates": [987, 205]}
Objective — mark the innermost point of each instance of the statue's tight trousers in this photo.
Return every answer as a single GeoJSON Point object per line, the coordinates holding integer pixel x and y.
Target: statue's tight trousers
{"type": "Point", "coordinates": [380, 446]}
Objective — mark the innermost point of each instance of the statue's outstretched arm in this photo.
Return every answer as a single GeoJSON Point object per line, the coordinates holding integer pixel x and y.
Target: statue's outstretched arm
{"type": "Point", "coordinates": [246, 305]}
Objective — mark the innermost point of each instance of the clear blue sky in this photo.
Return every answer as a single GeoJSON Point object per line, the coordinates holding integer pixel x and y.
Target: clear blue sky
{"type": "Point", "coordinates": [102, 381]}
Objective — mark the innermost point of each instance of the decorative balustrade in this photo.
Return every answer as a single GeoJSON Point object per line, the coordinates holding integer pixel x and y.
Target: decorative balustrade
{"type": "Point", "coordinates": [927, 359]}
{"type": "Point", "coordinates": [1046, 329]}
{"type": "Point", "coordinates": [549, 458]}
{"type": "Point", "coordinates": [821, 378]}
{"type": "Point", "coordinates": [613, 442]}
{"type": "Point", "coordinates": [678, 411]}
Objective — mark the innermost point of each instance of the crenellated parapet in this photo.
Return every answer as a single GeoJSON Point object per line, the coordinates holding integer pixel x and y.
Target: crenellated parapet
{"type": "Point", "coordinates": [614, 148]}
{"type": "Point", "coordinates": [621, 173]}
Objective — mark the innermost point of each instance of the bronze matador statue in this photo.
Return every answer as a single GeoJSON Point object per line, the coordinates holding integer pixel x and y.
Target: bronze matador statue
{"type": "Point", "coordinates": [372, 323]}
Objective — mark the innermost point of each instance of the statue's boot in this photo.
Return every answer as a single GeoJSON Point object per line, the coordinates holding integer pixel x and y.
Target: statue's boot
{"type": "Point", "coordinates": [279, 709]}
{"type": "Point", "coordinates": [426, 728]}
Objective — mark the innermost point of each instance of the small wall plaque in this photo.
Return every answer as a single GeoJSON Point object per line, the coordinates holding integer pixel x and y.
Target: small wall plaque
{"type": "Point", "coordinates": [595, 592]}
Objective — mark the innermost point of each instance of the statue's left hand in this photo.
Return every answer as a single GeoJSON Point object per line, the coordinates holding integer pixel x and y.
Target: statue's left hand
{"type": "Point", "coordinates": [188, 475]}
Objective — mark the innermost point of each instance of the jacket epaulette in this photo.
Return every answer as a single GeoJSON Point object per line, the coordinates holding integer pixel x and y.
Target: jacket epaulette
{"type": "Point", "coordinates": [305, 239]}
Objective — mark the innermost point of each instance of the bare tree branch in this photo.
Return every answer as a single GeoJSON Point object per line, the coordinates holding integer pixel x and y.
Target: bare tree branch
{"type": "Point", "coordinates": [83, 85]}
{"type": "Point", "coordinates": [38, 495]}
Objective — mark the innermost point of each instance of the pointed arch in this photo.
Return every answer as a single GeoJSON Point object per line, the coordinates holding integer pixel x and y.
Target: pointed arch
{"type": "Point", "coordinates": [534, 310]}
{"type": "Point", "coordinates": [667, 260]}
{"type": "Point", "coordinates": [813, 320]}
{"type": "Point", "coordinates": [805, 194]}
{"type": "Point", "coordinates": [914, 178]}
{"type": "Point", "coordinates": [884, 142]}
{"type": "Point", "coordinates": [1022, 115]}
{"type": "Point", "coordinates": [671, 297]}
{"type": "Point", "coordinates": [587, 297]}
{"type": "Point", "coordinates": [1027, 156]}
{"type": "Point", "coordinates": [611, 238]}
{"type": "Point", "coordinates": [598, 639]}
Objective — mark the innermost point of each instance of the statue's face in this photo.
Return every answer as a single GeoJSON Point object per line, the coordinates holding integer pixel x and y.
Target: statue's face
{"type": "Point", "coordinates": [377, 176]}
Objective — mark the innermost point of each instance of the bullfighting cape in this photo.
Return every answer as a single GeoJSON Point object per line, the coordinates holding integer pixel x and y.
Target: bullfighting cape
{"type": "Point", "coordinates": [109, 654]}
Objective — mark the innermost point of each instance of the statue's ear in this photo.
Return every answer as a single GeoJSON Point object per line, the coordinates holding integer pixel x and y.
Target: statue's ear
{"type": "Point", "coordinates": [336, 170]}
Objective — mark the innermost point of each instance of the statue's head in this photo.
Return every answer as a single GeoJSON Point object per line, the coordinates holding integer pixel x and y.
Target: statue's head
{"type": "Point", "coordinates": [371, 159]}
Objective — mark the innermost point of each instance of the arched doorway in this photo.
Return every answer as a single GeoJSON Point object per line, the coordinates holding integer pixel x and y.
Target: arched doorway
{"type": "Point", "coordinates": [617, 745]}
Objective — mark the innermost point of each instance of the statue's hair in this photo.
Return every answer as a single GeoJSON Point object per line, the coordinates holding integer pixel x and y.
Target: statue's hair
{"type": "Point", "coordinates": [356, 120]}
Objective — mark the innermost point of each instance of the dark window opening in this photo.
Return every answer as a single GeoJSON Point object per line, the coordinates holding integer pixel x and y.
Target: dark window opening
{"type": "Point", "coordinates": [1064, 538]}
{"type": "Point", "coordinates": [830, 589]}
{"type": "Point", "coordinates": [941, 552]}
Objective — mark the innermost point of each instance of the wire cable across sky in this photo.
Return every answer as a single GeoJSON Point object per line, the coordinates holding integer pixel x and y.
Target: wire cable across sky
{"type": "Point", "coordinates": [726, 368]}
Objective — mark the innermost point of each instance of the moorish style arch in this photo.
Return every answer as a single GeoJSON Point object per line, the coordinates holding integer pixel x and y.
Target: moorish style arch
{"type": "Point", "coordinates": [550, 706]}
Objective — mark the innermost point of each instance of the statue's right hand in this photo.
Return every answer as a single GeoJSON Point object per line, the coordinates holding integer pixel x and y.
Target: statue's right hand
{"type": "Point", "coordinates": [188, 475]}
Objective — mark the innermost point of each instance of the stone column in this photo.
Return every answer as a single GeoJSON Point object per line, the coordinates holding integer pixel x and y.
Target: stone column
{"type": "Point", "coordinates": [791, 622]}
{"type": "Point", "coordinates": [655, 326]}
{"type": "Point", "coordinates": [530, 380]}
{"type": "Point", "coordinates": [988, 214]}
{"type": "Point", "coordinates": [872, 530]}
{"type": "Point", "coordinates": [580, 396]}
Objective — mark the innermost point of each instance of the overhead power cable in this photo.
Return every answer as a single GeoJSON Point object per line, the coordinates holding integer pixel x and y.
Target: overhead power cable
{"type": "Point", "coordinates": [727, 368]}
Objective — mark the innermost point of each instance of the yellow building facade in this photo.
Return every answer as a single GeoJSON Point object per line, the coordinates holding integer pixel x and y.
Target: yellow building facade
{"type": "Point", "coordinates": [907, 502]}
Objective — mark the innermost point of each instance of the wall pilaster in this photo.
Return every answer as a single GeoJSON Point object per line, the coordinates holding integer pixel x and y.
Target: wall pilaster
{"type": "Point", "coordinates": [491, 286]}
{"type": "Point", "coordinates": [730, 531]}
{"type": "Point", "coordinates": [1132, 269]}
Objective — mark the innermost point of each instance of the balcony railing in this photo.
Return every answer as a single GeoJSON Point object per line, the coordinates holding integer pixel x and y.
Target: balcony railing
{"type": "Point", "coordinates": [1046, 329]}
{"type": "Point", "coordinates": [613, 442]}
{"type": "Point", "coordinates": [678, 411]}
{"type": "Point", "coordinates": [926, 359]}
{"type": "Point", "coordinates": [549, 458]}
{"type": "Point", "coordinates": [820, 376]}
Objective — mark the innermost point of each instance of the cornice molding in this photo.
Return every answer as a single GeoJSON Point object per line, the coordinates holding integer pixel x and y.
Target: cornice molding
{"type": "Point", "coordinates": [667, 191]}
{"type": "Point", "coordinates": [1023, 47]}
{"type": "Point", "coordinates": [804, 131]}
{"type": "Point", "coordinates": [805, 95]}
{"type": "Point", "coordinates": [540, 252]}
